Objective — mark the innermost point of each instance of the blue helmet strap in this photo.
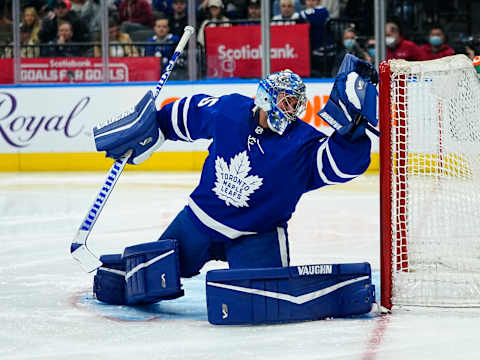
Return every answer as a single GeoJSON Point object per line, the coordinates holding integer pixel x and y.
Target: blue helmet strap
{"type": "Point", "coordinates": [277, 121]}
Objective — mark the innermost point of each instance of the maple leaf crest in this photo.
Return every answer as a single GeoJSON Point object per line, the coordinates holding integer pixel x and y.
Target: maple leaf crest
{"type": "Point", "coordinates": [233, 184]}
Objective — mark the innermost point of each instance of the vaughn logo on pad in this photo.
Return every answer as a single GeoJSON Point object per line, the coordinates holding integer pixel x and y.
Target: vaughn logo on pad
{"type": "Point", "coordinates": [314, 269]}
{"type": "Point", "coordinates": [233, 184]}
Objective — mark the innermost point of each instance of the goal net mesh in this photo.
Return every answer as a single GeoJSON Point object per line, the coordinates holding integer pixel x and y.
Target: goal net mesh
{"type": "Point", "coordinates": [435, 133]}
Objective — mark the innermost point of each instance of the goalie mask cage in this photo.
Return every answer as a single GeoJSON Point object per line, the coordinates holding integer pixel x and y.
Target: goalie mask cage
{"type": "Point", "coordinates": [430, 183]}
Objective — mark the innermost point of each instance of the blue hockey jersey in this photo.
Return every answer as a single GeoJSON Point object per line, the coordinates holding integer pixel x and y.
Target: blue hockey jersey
{"type": "Point", "coordinates": [317, 17]}
{"type": "Point", "coordinates": [253, 178]}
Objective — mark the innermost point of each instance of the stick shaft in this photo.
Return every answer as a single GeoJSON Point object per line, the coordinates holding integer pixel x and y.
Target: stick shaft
{"type": "Point", "coordinates": [78, 248]}
{"type": "Point", "coordinates": [189, 30]}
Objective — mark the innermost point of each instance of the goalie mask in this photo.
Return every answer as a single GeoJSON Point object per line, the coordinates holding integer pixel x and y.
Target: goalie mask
{"type": "Point", "coordinates": [282, 96]}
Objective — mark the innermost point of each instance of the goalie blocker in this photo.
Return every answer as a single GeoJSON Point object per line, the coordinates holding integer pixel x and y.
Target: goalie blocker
{"type": "Point", "coordinates": [296, 293]}
{"type": "Point", "coordinates": [136, 130]}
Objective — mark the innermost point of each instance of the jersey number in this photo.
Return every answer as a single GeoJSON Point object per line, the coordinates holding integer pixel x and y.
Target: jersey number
{"type": "Point", "coordinates": [207, 101]}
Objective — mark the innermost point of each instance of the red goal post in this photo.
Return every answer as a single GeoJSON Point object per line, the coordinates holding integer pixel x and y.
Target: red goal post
{"type": "Point", "coordinates": [430, 183]}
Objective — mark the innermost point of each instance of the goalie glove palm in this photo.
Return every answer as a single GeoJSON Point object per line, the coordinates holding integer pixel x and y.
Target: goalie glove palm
{"type": "Point", "coordinates": [353, 99]}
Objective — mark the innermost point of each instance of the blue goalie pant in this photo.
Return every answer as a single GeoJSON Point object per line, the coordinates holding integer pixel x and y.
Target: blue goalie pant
{"type": "Point", "coordinates": [297, 293]}
{"type": "Point", "coordinates": [197, 246]}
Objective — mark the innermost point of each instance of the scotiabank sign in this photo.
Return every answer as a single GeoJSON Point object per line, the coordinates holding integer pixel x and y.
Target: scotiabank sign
{"type": "Point", "coordinates": [81, 70]}
{"type": "Point", "coordinates": [235, 51]}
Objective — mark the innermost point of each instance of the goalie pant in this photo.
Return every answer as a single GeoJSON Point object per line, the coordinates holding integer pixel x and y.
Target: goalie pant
{"type": "Point", "coordinates": [252, 178]}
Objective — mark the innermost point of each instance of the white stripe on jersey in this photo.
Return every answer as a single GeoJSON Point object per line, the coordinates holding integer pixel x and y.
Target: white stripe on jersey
{"type": "Point", "coordinates": [214, 224]}
{"type": "Point", "coordinates": [282, 243]}
{"type": "Point", "coordinates": [185, 117]}
{"type": "Point", "coordinates": [174, 119]}
{"type": "Point", "coordinates": [320, 152]}
{"type": "Point", "coordinates": [335, 168]}
{"type": "Point", "coordinates": [342, 105]}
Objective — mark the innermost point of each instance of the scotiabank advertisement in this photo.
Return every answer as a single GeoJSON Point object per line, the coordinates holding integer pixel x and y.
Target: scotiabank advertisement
{"type": "Point", "coordinates": [236, 51]}
{"type": "Point", "coordinates": [81, 70]}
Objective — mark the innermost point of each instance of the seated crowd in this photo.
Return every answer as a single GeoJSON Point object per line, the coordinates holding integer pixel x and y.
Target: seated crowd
{"type": "Point", "coordinates": [65, 28]}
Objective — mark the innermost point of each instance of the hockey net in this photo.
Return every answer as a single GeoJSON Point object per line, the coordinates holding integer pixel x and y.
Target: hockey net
{"type": "Point", "coordinates": [430, 183]}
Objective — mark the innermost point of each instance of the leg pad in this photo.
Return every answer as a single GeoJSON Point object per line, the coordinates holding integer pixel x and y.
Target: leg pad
{"type": "Point", "coordinates": [152, 272]}
{"type": "Point", "coordinates": [109, 281]}
{"type": "Point", "coordinates": [144, 274]}
{"type": "Point", "coordinates": [296, 293]}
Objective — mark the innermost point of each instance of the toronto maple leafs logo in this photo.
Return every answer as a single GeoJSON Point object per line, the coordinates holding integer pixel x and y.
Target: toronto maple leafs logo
{"type": "Point", "coordinates": [233, 184]}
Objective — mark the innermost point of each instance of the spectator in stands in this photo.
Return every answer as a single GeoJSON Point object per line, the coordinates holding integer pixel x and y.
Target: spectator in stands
{"type": "Point", "coordinates": [26, 50]}
{"type": "Point", "coordinates": [437, 46]}
{"type": "Point", "coordinates": [362, 12]}
{"type": "Point", "coordinates": [89, 12]}
{"type": "Point", "coordinates": [332, 6]}
{"type": "Point", "coordinates": [60, 46]}
{"type": "Point", "coordinates": [6, 11]}
{"type": "Point", "coordinates": [62, 12]}
{"type": "Point", "coordinates": [254, 12]}
{"type": "Point", "coordinates": [120, 42]}
{"type": "Point", "coordinates": [215, 8]}
{"type": "Point", "coordinates": [371, 48]}
{"type": "Point", "coordinates": [179, 18]}
{"type": "Point", "coordinates": [31, 24]}
{"type": "Point", "coordinates": [288, 15]}
{"type": "Point", "coordinates": [350, 46]}
{"type": "Point", "coordinates": [397, 46]}
{"type": "Point", "coordinates": [165, 42]}
{"type": "Point", "coordinates": [471, 47]}
{"type": "Point", "coordinates": [6, 26]}
{"type": "Point", "coordinates": [202, 10]}
{"type": "Point", "coordinates": [162, 7]}
{"type": "Point", "coordinates": [276, 8]}
{"type": "Point", "coordinates": [135, 15]}
{"type": "Point", "coordinates": [317, 15]}
{"type": "Point", "coordinates": [234, 9]}
{"type": "Point", "coordinates": [29, 29]}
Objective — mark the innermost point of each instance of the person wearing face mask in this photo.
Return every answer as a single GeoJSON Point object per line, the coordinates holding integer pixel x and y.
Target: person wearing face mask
{"type": "Point", "coordinates": [397, 46]}
{"type": "Point", "coordinates": [350, 46]}
{"type": "Point", "coordinates": [371, 48]}
{"type": "Point", "coordinates": [437, 46]}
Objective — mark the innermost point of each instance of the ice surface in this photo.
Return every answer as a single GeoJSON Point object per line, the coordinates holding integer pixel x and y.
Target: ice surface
{"type": "Point", "coordinates": [42, 315]}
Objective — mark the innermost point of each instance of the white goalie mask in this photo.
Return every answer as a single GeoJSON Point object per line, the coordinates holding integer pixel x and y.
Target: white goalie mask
{"type": "Point", "coordinates": [282, 96]}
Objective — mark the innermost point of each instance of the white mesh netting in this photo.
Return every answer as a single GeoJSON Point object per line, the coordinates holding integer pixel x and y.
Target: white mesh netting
{"type": "Point", "coordinates": [436, 182]}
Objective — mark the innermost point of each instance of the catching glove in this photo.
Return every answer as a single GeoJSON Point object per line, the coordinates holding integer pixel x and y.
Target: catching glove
{"type": "Point", "coordinates": [353, 99]}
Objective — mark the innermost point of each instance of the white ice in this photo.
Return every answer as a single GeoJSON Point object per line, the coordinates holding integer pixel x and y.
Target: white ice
{"type": "Point", "coordinates": [40, 283]}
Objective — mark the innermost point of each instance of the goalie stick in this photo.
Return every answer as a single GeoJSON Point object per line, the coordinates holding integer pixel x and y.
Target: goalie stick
{"type": "Point", "coordinates": [78, 248]}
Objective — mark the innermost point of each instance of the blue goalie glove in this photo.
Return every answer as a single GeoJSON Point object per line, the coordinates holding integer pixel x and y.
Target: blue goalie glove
{"type": "Point", "coordinates": [353, 99]}
{"type": "Point", "coordinates": [135, 130]}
